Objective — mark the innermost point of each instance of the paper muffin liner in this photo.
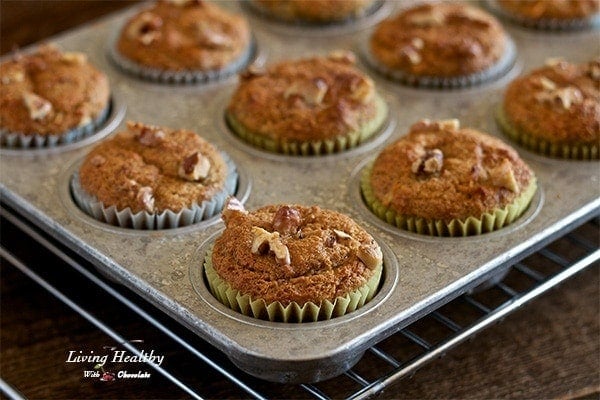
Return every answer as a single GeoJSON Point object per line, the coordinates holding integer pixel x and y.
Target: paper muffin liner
{"type": "Point", "coordinates": [144, 220]}
{"type": "Point", "coordinates": [499, 69]}
{"type": "Point", "coordinates": [182, 77]}
{"type": "Point", "coordinates": [316, 147]}
{"type": "Point", "coordinates": [471, 226]}
{"type": "Point", "coordinates": [17, 140]}
{"type": "Point", "coordinates": [573, 151]}
{"type": "Point", "coordinates": [546, 24]}
{"type": "Point", "coordinates": [293, 312]}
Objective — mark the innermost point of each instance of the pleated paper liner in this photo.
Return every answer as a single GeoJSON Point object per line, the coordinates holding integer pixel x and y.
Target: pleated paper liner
{"type": "Point", "coordinates": [494, 72]}
{"type": "Point", "coordinates": [318, 147]}
{"type": "Point", "coordinates": [144, 220]}
{"type": "Point", "coordinates": [545, 24]}
{"type": "Point", "coordinates": [293, 312]}
{"type": "Point", "coordinates": [17, 140]}
{"type": "Point", "coordinates": [186, 76]}
{"type": "Point", "coordinates": [573, 151]}
{"type": "Point", "coordinates": [488, 222]}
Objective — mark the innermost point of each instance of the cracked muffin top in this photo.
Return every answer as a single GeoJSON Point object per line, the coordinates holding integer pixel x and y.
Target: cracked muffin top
{"type": "Point", "coordinates": [308, 99]}
{"type": "Point", "coordinates": [182, 35]}
{"type": "Point", "coordinates": [50, 92]}
{"type": "Point", "coordinates": [559, 102]}
{"type": "Point", "coordinates": [439, 39]}
{"type": "Point", "coordinates": [440, 171]}
{"type": "Point", "coordinates": [153, 169]}
{"type": "Point", "coordinates": [292, 253]}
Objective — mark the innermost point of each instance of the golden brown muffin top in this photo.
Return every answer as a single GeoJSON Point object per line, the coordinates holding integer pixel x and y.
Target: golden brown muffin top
{"type": "Point", "coordinates": [314, 10]}
{"type": "Point", "coordinates": [50, 92]}
{"type": "Point", "coordinates": [293, 253]}
{"type": "Point", "coordinates": [308, 99]}
{"type": "Point", "coordinates": [439, 39]}
{"type": "Point", "coordinates": [551, 9]}
{"type": "Point", "coordinates": [559, 102]}
{"type": "Point", "coordinates": [178, 35]}
{"type": "Point", "coordinates": [153, 169]}
{"type": "Point", "coordinates": [439, 171]}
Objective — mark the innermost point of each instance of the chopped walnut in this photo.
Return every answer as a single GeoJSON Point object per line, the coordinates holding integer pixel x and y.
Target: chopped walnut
{"type": "Point", "coordinates": [565, 96]}
{"type": "Point", "coordinates": [265, 242]}
{"type": "Point", "coordinates": [417, 43]}
{"type": "Point", "coordinates": [145, 197]}
{"type": "Point", "coordinates": [252, 72]}
{"type": "Point", "coordinates": [84, 120]}
{"type": "Point", "coordinates": [312, 91]}
{"type": "Point", "coordinates": [554, 61]}
{"type": "Point", "coordinates": [504, 176]}
{"type": "Point", "coordinates": [344, 56]}
{"type": "Point", "coordinates": [426, 125]}
{"type": "Point", "coordinates": [363, 90]}
{"type": "Point", "coordinates": [411, 54]}
{"type": "Point", "coordinates": [430, 163]}
{"type": "Point", "coordinates": [287, 220]}
{"type": "Point", "coordinates": [194, 167]}
{"type": "Point", "coordinates": [37, 106]}
{"type": "Point", "coordinates": [232, 208]}
{"type": "Point", "coordinates": [547, 84]}
{"type": "Point", "coordinates": [13, 76]}
{"type": "Point", "coordinates": [594, 70]}
{"type": "Point", "coordinates": [145, 28]}
{"type": "Point", "coordinates": [370, 255]}
{"type": "Point", "coordinates": [74, 57]}
{"type": "Point", "coordinates": [427, 19]}
{"type": "Point", "coordinates": [147, 135]}
{"type": "Point", "coordinates": [213, 38]}
{"type": "Point", "coordinates": [97, 160]}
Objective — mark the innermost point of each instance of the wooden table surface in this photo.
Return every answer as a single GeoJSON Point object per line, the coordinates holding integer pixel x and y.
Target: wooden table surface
{"type": "Point", "coordinates": [548, 349]}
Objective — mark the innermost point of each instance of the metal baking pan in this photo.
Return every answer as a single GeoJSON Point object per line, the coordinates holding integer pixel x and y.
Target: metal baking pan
{"type": "Point", "coordinates": [421, 273]}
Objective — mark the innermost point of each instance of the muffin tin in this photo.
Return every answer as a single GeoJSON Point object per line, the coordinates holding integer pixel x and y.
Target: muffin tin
{"type": "Point", "coordinates": [420, 273]}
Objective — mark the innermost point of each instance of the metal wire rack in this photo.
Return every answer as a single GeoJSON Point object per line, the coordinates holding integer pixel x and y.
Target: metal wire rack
{"type": "Point", "coordinates": [395, 357]}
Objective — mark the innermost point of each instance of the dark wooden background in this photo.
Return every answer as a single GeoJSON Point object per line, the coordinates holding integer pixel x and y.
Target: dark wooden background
{"type": "Point", "coordinates": [548, 349]}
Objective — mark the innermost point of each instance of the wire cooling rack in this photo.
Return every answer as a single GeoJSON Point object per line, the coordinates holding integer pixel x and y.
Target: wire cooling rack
{"type": "Point", "coordinates": [392, 359]}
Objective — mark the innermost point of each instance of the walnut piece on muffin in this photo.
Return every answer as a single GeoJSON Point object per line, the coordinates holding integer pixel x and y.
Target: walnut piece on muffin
{"type": "Point", "coordinates": [439, 40]}
{"type": "Point", "coordinates": [184, 36]}
{"type": "Point", "coordinates": [153, 169]}
{"type": "Point", "coordinates": [292, 254]}
{"type": "Point", "coordinates": [441, 179]}
{"type": "Point", "coordinates": [555, 109]}
{"type": "Point", "coordinates": [50, 92]}
{"type": "Point", "coordinates": [324, 103]}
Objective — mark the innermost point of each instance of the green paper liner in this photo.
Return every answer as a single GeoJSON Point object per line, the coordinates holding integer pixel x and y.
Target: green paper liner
{"type": "Point", "coordinates": [573, 151]}
{"type": "Point", "coordinates": [471, 226]}
{"type": "Point", "coordinates": [293, 312]}
{"type": "Point", "coordinates": [319, 147]}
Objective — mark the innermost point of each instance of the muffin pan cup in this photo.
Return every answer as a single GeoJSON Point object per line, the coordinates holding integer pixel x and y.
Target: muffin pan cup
{"type": "Point", "coordinates": [420, 273]}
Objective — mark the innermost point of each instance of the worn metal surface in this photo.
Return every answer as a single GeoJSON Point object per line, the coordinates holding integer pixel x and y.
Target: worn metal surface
{"type": "Point", "coordinates": [420, 272]}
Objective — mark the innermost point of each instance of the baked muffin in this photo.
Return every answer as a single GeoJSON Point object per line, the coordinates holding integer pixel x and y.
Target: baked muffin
{"type": "Point", "coordinates": [442, 180]}
{"type": "Point", "coordinates": [292, 263]}
{"type": "Point", "coordinates": [184, 41]}
{"type": "Point", "coordinates": [555, 110]}
{"type": "Point", "coordinates": [314, 11]}
{"type": "Point", "coordinates": [441, 45]}
{"type": "Point", "coordinates": [551, 14]}
{"type": "Point", "coordinates": [311, 106]}
{"type": "Point", "coordinates": [50, 97]}
{"type": "Point", "coordinates": [150, 177]}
